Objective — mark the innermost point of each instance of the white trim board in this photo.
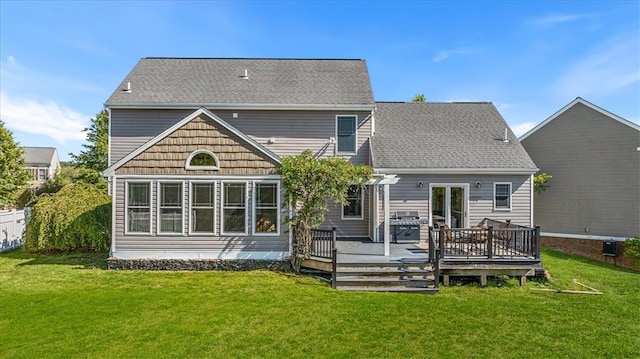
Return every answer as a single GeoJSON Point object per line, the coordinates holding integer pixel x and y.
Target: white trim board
{"type": "Point", "coordinates": [582, 236]}
{"type": "Point", "coordinates": [200, 255]}
{"type": "Point", "coordinates": [586, 103]}
{"type": "Point", "coordinates": [201, 111]}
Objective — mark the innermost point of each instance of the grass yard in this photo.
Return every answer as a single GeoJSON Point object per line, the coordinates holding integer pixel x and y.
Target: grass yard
{"type": "Point", "coordinates": [69, 306]}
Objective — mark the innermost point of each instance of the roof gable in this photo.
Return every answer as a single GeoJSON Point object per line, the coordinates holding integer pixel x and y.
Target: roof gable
{"type": "Point", "coordinates": [38, 156]}
{"type": "Point", "coordinates": [582, 101]}
{"type": "Point", "coordinates": [269, 83]}
{"type": "Point", "coordinates": [196, 114]}
{"type": "Point", "coordinates": [445, 137]}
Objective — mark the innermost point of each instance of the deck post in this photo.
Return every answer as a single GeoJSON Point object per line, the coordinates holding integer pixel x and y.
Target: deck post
{"type": "Point", "coordinates": [333, 238]}
{"type": "Point", "coordinates": [537, 244]}
{"type": "Point", "coordinates": [441, 241]}
{"type": "Point", "coordinates": [432, 247]}
{"type": "Point", "coordinates": [387, 248]}
{"type": "Point", "coordinates": [490, 242]}
{"type": "Point", "coordinates": [334, 267]}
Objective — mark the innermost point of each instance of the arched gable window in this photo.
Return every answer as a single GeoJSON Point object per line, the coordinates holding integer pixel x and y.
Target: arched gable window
{"type": "Point", "coordinates": [202, 160]}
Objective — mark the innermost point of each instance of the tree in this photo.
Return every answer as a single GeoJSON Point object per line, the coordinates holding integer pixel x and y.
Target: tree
{"type": "Point", "coordinates": [93, 159]}
{"type": "Point", "coordinates": [419, 98]}
{"type": "Point", "coordinates": [540, 182]}
{"type": "Point", "coordinates": [310, 183]}
{"type": "Point", "coordinates": [13, 175]}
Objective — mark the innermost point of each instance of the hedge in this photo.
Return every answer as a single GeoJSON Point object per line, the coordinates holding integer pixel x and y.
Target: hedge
{"type": "Point", "coordinates": [77, 218]}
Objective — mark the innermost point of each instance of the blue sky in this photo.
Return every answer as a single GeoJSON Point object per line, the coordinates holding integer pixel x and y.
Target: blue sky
{"type": "Point", "coordinates": [60, 61]}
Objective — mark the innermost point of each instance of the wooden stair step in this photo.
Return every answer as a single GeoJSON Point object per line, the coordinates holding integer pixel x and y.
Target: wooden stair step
{"type": "Point", "coordinates": [399, 289]}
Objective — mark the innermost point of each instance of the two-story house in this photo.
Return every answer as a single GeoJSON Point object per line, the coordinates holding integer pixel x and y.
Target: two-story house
{"type": "Point", "coordinates": [42, 162]}
{"type": "Point", "coordinates": [195, 145]}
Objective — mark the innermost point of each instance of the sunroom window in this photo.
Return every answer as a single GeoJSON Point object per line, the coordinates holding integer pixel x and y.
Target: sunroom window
{"type": "Point", "coordinates": [170, 208]}
{"type": "Point", "coordinates": [202, 207]}
{"type": "Point", "coordinates": [138, 207]}
{"type": "Point", "coordinates": [234, 208]}
{"type": "Point", "coordinates": [266, 210]}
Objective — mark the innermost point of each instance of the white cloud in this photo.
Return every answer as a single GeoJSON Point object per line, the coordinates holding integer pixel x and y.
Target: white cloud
{"type": "Point", "coordinates": [48, 118]}
{"type": "Point", "coordinates": [445, 54]}
{"type": "Point", "coordinates": [610, 67]}
{"type": "Point", "coordinates": [522, 128]}
{"type": "Point", "coordinates": [554, 19]}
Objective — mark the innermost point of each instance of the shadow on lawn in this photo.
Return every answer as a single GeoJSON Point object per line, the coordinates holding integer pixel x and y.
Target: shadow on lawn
{"type": "Point", "coordinates": [81, 260]}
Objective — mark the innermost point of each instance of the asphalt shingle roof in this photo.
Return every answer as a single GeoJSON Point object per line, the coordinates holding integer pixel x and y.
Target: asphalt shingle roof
{"type": "Point", "coordinates": [444, 136]}
{"type": "Point", "coordinates": [200, 81]}
{"type": "Point", "coordinates": [38, 156]}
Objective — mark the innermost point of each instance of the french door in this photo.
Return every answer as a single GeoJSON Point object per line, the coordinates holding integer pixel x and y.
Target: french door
{"type": "Point", "coordinates": [448, 204]}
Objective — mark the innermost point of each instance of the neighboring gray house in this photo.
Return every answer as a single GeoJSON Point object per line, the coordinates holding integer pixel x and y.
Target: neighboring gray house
{"type": "Point", "coordinates": [594, 158]}
{"type": "Point", "coordinates": [195, 144]}
{"type": "Point", "coordinates": [42, 163]}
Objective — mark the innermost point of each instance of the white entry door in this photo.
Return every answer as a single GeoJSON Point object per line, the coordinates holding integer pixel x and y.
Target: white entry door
{"type": "Point", "coordinates": [448, 204]}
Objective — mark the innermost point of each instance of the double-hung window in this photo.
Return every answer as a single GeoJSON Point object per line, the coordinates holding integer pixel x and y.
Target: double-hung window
{"type": "Point", "coordinates": [202, 207]}
{"type": "Point", "coordinates": [346, 134]}
{"type": "Point", "coordinates": [502, 196]}
{"type": "Point", "coordinates": [266, 207]}
{"type": "Point", "coordinates": [42, 174]}
{"type": "Point", "coordinates": [170, 211]}
{"type": "Point", "coordinates": [138, 207]}
{"type": "Point", "coordinates": [234, 207]}
{"type": "Point", "coordinates": [354, 209]}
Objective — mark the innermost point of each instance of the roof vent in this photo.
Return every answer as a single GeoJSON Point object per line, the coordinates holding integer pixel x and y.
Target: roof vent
{"type": "Point", "coordinates": [128, 89]}
{"type": "Point", "coordinates": [505, 139]}
{"type": "Point", "coordinates": [246, 75]}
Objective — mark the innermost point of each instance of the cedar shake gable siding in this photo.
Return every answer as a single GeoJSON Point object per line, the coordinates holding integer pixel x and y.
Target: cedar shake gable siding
{"type": "Point", "coordinates": [170, 154]}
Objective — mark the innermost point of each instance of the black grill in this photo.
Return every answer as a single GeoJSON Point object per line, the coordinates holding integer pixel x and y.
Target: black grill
{"type": "Point", "coordinates": [407, 225]}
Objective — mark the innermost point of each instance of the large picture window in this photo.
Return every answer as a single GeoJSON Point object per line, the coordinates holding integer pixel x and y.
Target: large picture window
{"type": "Point", "coordinates": [138, 207]}
{"type": "Point", "coordinates": [170, 208]}
{"type": "Point", "coordinates": [234, 207]}
{"type": "Point", "coordinates": [354, 209]}
{"type": "Point", "coordinates": [266, 208]}
{"type": "Point", "coordinates": [502, 196]}
{"type": "Point", "coordinates": [202, 207]}
{"type": "Point", "coordinates": [346, 134]}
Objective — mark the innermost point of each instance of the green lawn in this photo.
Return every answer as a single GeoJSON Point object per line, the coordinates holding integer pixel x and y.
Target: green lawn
{"type": "Point", "coordinates": [69, 306]}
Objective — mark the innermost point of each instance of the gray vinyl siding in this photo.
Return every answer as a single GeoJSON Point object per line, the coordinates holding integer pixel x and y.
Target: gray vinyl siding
{"type": "Point", "coordinates": [195, 242]}
{"type": "Point", "coordinates": [295, 131]}
{"type": "Point", "coordinates": [595, 166]}
{"type": "Point", "coordinates": [353, 228]}
{"type": "Point", "coordinates": [407, 196]}
{"type": "Point", "coordinates": [292, 131]}
{"type": "Point", "coordinates": [131, 129]}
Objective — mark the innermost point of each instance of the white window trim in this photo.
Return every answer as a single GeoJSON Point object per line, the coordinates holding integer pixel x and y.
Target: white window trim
{"type": "Point", "coordinates": [159, 203]}
{"type": "Point", "coordinates": [246, 210]}
{"type": "Point", "coordinates": [126, 207]}
{"type": "Point", "coordinates": [506, 209]}
{"type": "Point", "coordinates": [355, 129]}
{"type": "Point", "coordinates": [188, 165]}
{"type": "Point", "coordinates": [215, 211]}
{"type": "Point", "coordinates": [354, 218]}
{"type": "Point", "coordinates": [278, 208]}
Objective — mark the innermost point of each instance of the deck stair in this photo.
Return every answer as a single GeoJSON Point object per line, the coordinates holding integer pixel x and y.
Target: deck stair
{"type": "Point", "coordinates": [403, 275]}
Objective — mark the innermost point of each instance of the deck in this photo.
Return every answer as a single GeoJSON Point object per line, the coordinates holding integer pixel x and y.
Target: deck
{"type": "Point", "coordinates": [471, 252]}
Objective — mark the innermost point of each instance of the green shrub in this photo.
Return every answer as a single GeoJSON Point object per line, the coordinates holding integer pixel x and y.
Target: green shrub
{"type": "Point", "coordinates": [78, 217]}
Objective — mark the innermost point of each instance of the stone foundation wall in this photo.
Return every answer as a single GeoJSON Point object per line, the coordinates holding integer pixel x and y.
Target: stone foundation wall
{"type": "Point", "coordinates": [590, 248]}
{"type": "Point", "coordinates": [198, 264]}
